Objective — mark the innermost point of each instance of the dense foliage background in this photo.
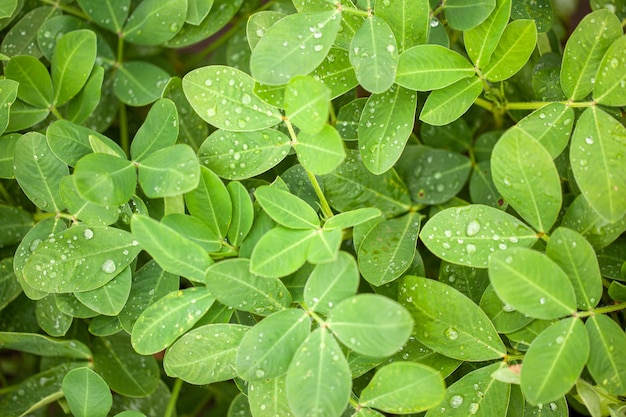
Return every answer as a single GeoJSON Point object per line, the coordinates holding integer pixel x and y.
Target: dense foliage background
{"type": "Point", "coordinates": [312, 208]}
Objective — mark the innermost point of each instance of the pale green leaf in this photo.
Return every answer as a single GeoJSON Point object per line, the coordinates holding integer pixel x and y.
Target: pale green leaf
{"type": "Point", "coordinates": [388, 249]}
{"type": "Point", "coordinates": [86, 393]}
{"type": "Point", "coordinates": [385, 126]}
{"type": "Point", "coordinates": [324, 246]}
{"type": "Point", "coordinates": [370, 324]}
{"type": "Point", "coordinates": [550, 125]}
{"type": "Point", "coordinates": [336, 72]}
{"type": "Point", "coordinates": [72, 62]}
{"type": "Point", "coordinates": [584, 50]}
{"type": "Point", "coordinates": [611, 77]}
{"type": "Point", "coordinates": [374, 55]}
{"type": "Point", "coordinates": [197, 10]}
{"type": "Point", "coordinates": [606, 363]}
{"type": "Point", "coordinates": [281, 251]}
{"type": "Point", "coordinates": [482, 40]}
{"type": "Point", "coordinates": [504, 316]}
{"type": "Point", "coordinates": [8, 94]}
{"type": "Point", "coordinates": [82, 209]}
{"type": "Point", "coordinates": [469, 235]}
{"type": "Point", "coordinates": [70, 142]}
{"type": "Point", "coordinates": [234, 285]}
{"type": "Point", "coordinates": [193, 229]}
{"type": "Point", "coordinates": [576, 257]}
{"type": "Point", "coordinates": [7, 8]}
{"type": "Point", "coordinates": [466, 14]}
{"type": "Point", "coordinates": [331, 282]}
{"type": "Point", "coordinates": [169, 172]}
{"type": "Point", "coordinates": [80, 259]}
{"type": "Point", "coordinates": [159, 130]}
{"type": "Point", "coordinates": [10, 287]}
{"type": "Point", "coordinates": [259, 23]}
{"type": "Point", "coordinates": [154, 22]}
{"type": "Point", "coordinates": [554, 361]}
{"type": "Point", "coordinates": [83, 105]}
{"type": "Point", "coordinates": [597, 155]}
{"type": "Point", "coordinates": [403, 387]}
{"type": "Point", "coordinates": [322, 152]}
{"type": "Point", "coordinates": [409, 20]}
{"type": "Point", "coordinates": [35, 83]}
{"type": "Point", "coordinates": [211, 203]}
{"type": "Point", "coordinates": [525, 175]}
{"type": "Point", "coordinates": [241, 155]}
{"type": "Point", "coordinates": [168, 318]}
{"type": "Point", "coordinates": [243, 213]}
{"type": "Point", "coordinates": [318, 380]}
{"type": "Point", "coordinates": [205, 355]}
{"type": "Point", "coordinates": [431, 67]}
{"type": "Point", "coordinates": [286, 209]}
{"type": "Point", "coordinates": [268, 398]}
{"type": "Point", "coordinates": [352, 218]}
{"type": "Point", "coordinates": [174, 252]}
{"type": "Point", "coordinates": [267, 349]}
{"type": "Point", "coordinates": [306, 103]}
{"type": "Point", "coordinates": [513, 50]}
{"type": "Point", "coordinates": [448, 104]}
{"type": "Point", "coordinates": [295, 45]}
{"type": "Point", "coordinates": [111, 297]}
{"type": "Point", "coordinates": [448, 322]}
{"type": "Point", "coordinates": [104, 179]}
{"type": "Point", "coordinates": [532, 283]}
{"type": "Point", "coordinates": [110, 14]}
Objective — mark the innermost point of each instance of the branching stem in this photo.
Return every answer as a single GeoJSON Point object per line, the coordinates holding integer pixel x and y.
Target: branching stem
{"type": "Point", "coordinates": [171, 404]}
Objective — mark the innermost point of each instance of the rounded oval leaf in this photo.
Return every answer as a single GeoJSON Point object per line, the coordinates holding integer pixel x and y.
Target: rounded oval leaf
{"type": "Point", "coordinates": [606, 363]}
{"type": "Point", "coordinates": [86, 393]}
{"type": "Point", "coordinates": [611, 79]}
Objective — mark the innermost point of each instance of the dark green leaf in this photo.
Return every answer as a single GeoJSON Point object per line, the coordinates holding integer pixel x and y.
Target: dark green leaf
{"type": "Point", "coordinates": [336, 72]}
{"type": "Point", "coordinates": [86, 101]}
{"type": "Point", "coordinates": [110, 14]}
{"type": "Point", "coordinates": [154, 22]}
{"type": "Point", "coordinates": [158, 131]}
{"type": "Point", "coordinates": [8, 94]}
{"type": "Point", "coordinates": [540, 11]}
{"type": "Point", "coordinates": [409, 20]}
{"type": "Point", "coordinates": [243, 213]}
{"type": "Point", "coordinates": [44, 346]}
{"type": "Point", "coordinates": [111, 297]}
{"type": "Point", "coordinates": [104, 179]}
{"type": "Point", "coordinates": [466, 14]}
{"type": "Point", "coordinates": [286, 209]}
{"type": "Point", "coordinates": [72, 62]}
{"type": "Point", "coordinates": [35, 83]}
{"type": "Point", "coordinates": [139, 83]}
{"type": "Point", "coordinates": [210, 202]}
{"type": "Point", "coordinates": [609, 86]}
{"type": "Point", "coordinates": [504, 316]}
{"type": "Point", "coordinates": [268, 398]}
{"type": "Point", "coordinates": [606, 364]}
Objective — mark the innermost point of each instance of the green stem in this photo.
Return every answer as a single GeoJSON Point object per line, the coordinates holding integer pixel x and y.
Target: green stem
{"type": "Point", "coordinates": [56, 113]}
{"type": "Point", "coordinates": [602, 310]}
{"type": "Point", "coordinates": [534, 105]}
{"type": "Point", "coordinates": [67, 9]}
{"type": "Point", "coordinates": [171, 404]}
{"type": "Point", "coordinates": [487, 105]}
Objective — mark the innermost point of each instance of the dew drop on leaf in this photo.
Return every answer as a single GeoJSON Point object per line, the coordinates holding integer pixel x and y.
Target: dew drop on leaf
{"type": "Point", "coordinates": [455, 401]}
{"type": "Point", "coordinates": [88, 234]}
{"type": "Point", "coordinates": [473, 227]}
{"type": "Point", "coordinates": [473, 408]}
{"type": "Point", "coordinates": [108, 266]}
{"type": "Point", "coordinates": [451, 333]}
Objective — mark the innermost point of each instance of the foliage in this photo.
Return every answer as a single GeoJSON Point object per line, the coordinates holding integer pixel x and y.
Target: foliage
{"type": "Point", "coordinates": [312, 208]}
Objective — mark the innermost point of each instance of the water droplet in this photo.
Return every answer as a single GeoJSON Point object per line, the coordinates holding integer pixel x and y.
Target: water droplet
{"type": "Point", "coordinates": [559, 340]}
{"type": "Point", "coordinates": [455, 401]}
{"type": "Point", "coordinates": [589, 140]}
{"type": "Point", "coordinates": [210, 112]}
{"type": "Point", "coordinates": [470, 248]}
{"type": "Point", "coordinates": [88, 234]}
{"type": "Point", "coordinates": [473, 227]}
{"type": "Point", "coordinates": [246, 99]}
{"type": "Point", "coordinates": [508, 308]}
{"type": "Point", "coordinates": [434, 23]}
{"type": "Point", "coordinates": [542, 300]}
{"type": "Point", "coordinates": [318, 48]}
{"type": "Point", "coordinates": [553, 406]}
{"type": "Point", "coordinates": [108, 266]}
{"type": "Point", "coordinates": [473, 408]}
{"type": "Point", "coordinates": [260, 373]}
{"type": "Point", "coordinates": [451, 333]}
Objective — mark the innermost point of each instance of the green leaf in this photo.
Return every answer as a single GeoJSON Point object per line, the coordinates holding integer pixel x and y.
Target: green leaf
{"type": "Point", "coordinates": [243, 213]}
{"type": "Point", "coordinates": [104, 326]}
{"type": "Point", "coordinates": [10, 287]}
{"type": "Point", "coordinates": [70, 142]}
{"type": "Point", "coordinates": [169, 172]}
{"type": "Point", "coordinates": [576, 257]}
{"type": "Point", "coordinates": [259, 23]}
{"type": "Point", "coordinates": [7, 8]}
{"type": "Point", "coordinates": [351, 218]}
{"type": "Point", "coordinates": [482, 40]}
{"type": "Point", "coordinates": [584, 50]}
{"type": "Point", "coordinates": [385, 126]}
{"type": "Point", "coordinates": [352, 186]}
{"type": "Point", "coordinates": [86, 393]}
{"type": "Point", "coordinates": [168, 318]}
{"type": "Point", "coordinates": [158, 131]}
{"type": "Point", "coordinates": [295, 45]}
{"type": "Point", "coordinates": [39, 172]}
{"type": "Point", "coordinates": [374, 55]}
{"type": "Point", "coordinates": [210, 202]}
{"type": "Point", "coordinates": [532, 283]}
{"type": "Point", "coordinates": [513, 50]}
{"type": "Point", "coordinates": [241, 155]}
{"type": "Point", "coordinates": [550, 125]}
{"type": "Point", "coordinates": [21, 39]}
{"type": "Point", "coordinates": [610, 79]}
{"type": "Point", "coordinates": [504, 316]}
{"type": "Point", "coordinates": [193, 229]}
{"type": "Point", "coordinates": [205, 355]}
{"type": "Point", "coordinates": [153, 22]}
{"type": "Point", "coordinates": [393, 388]}
{"type": "Point", "coordinates": [336, 72]}
{"type": "Point", "coordinates": [53, 29]}
{"type": "Point", "coordinates": [35, 84]}
{"type": "Point", "coordinates": [72, 62]}
{"type": "Point", "coordinates": [80, 259]}
{"type": "Point", "coordinates": [476, 393]}
{"type": "Point", "coordinates": [234, 285]}
{"type": "Point", "coordinates": [554, 361]}
{"type": "Point", "coordinates": [111, 297]}
{"type": "Point", "coordinates": [268, 398]}
{"type": "Point", "coordinates": [318, 380]}
{"type": "Point", "coordinates": [448, 104]}
{"type": "Point", "coordinates": [7, 153]}
{"type": "Point", "coordinates": [437, 175]}
{"type": "Point", "coordinates": [281, 251]}
{"type": "Point", "coordinates": [69, 305]}
{"type": "Point", "coordinates": [110, 14]}
{"type": "Point", "coordinates": [596, 156]}
{"type": "Point", "coordinates": [88, 212]}
{"type": "Point", "coordinates": [469, 235]}
{"type": "Point", "coordinates": [139, 83]}
{"type": "Point", "coordinates": [86, 101]}
{"type": "Point", "coordinates": [320, 153]}
{"type": "Point", "coordinates": [267, 349]}
{"type": "Point", "coordinates": [431, 67]}
{"type": "Point", "coordinates": [22, 116]}
{"type": "Point", "coordinates": [105, 179]}
{"type": "Point", "coordinates": [409, 20]}
{"type": "Point", "coordinates": [448, 322]}
{"type": "Point", "coordinates": [224, 97]}
{"type": "Point", "coordinates": [324, 246]}
{"type": "Point", "coordinates": [481, 187]}
{"type": "Point", "coordinates": [8, 94]}
{"type": "Point", "coordinates": [466, 14]}
{"type": "Point", "coordinates": [286, 209]}
{"type": "Point", "coordinates": [348, 118]}
{"type": "Point", "coordinates": [525, 175]}
{"type": "Point", "coordinates": [44, 346]}
{"type": "Point", "coordinates": [197, 10]}
{"type": "Point", "coordinates": [370, 324]}
{"type": "Point", "coordinates": [605, 363]}
{"type": "Point", "coordinates": [149, 284]}
{"type": "Point", "coordinates": [174, 252]}
{"type": "Point", "coordinates": [125, 371]}
{"type": "Point", "coordinates": [388, 249]}
{"type": "Point", "coordinates": [331, 282]}
{"type": "Point", "coordinates": [14, 224]}
{"type": "Point", "coordinates": [540, 11]}
{"type": "Point", "coordinates": [306, 103]}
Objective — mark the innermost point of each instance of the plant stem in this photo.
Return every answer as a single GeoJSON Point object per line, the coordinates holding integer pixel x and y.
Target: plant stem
{"type": "Point", "coordinates": [171, 404]}
{"type": "Point", "coordinates": [56, 113]}
{"type": "Point", "coordinates": [602, 310]}
{"type": "Point", "coordinates": [67, 9]}
{"type": "Point", "coordinates": [124, 136]}
{"type": "Point", "coordinates": [534, 105]}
